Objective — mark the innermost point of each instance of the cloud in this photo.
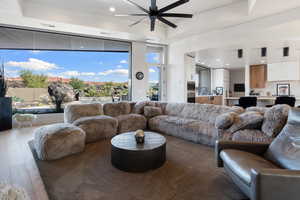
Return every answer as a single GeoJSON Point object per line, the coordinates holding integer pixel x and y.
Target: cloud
{"type": "Point", "coordinates": [119, 66]}
{"type": "Point", "coordinates": [55, 75]}
{"type": "Point", "coordinates": [123, 62]}
{"type": "Point", "coordinates": [12, 73]}
{"type": "Point", "coordinates": [153, 82]}
{"type": "Point", "coordinates": [119, 72]}
{"type": "Point", "coordinates": [152, 70]}
{"type": "Point", "coordinates": [77, 73]}
{"type": "Point", "coordinates": [33, 64]}
{"type": "Point", "coordinates": [88, 74]}
{"type": "Point", "coordinates": [35, 52]}
{"type": "Point", "coordinates": [156, 58]}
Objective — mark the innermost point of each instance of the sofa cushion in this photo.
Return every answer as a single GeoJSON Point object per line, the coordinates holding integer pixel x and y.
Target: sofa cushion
{"type": "Point", "coordinates": [251, 135]}
{"type": "Point", "coordinates": [247, 120]}
{"type": "Point", "coordinates": [188, 129]}
{"type": "Point", "coordinates": [74, 111]}
{"type": "Point", "coordinates": [261, 110]}
{"type": "Point", "coordinates": [204, 112]}
{"type": "Point", "coordinates": [151, 111]}
{"type": "Point", "coordinates": [131, 122]}
{"type": "Point", "coordinates": [174, 109]}
{"type": "Point", "coordinates": [116, 109]}
{"type": "Point", "coordinates": [97, 127]}
{"type": "Point", "coordinates": [240, 163]}
{"type": "Point", "coordinates": [225, 120]}
{"type": "Point", "coordinates": [56, 141]}
{"type": "Point", "coordinates": [275, 119]}
{"type": "Point", "coordinates": [285, 149]}
{"type": "Point", "coordinates": [139, 106]}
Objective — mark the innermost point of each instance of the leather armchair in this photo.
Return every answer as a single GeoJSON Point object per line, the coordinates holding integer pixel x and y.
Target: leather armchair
{"type": "Point", "coordinates": [275, 184]}
{"type": "Point", "coordinates": [265, 171]}
{"type": "Point", "coordinates": [255, 148]}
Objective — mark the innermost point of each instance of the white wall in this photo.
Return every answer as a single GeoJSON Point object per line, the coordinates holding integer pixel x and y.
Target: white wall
{"type": "Point", "coordinates": [176, 75]}
{"type": "Point", "coordinates": [236, 76]}
{"type": "Point", "coordinates": [220, 78]}
{"type": "Point", "coordinates": [139, 87]}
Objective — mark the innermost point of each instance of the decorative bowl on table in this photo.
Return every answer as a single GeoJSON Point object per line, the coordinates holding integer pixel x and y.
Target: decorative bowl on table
{"type": "Point", "coordinates": [139, 136]}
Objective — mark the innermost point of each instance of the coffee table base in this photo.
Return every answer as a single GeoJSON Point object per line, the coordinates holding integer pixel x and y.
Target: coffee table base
{"type": "Point", "coordinates": [138, 161]}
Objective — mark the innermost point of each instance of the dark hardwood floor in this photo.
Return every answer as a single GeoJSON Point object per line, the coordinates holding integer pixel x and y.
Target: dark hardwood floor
{"type": "Point", "coordinates": [17, 165]}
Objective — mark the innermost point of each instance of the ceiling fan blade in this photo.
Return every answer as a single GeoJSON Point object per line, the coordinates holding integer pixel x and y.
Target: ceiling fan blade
{"type": "Point", "coordinates": [153, 5]}
{"type": "Point", "coordinates": [152, 19]}
{"type": "Point", "coordinates": [173, 5]}
{"type": "Point", "coordinates": [137, 5]}
{"type": "Point", "coordinates": [137, 22]}
{"type": "Point", "coordinates": [167, 22]}
{"type": "Point", "coordinates": [128, 15]}
{"type": "Point", "coordinates": [176, 15]}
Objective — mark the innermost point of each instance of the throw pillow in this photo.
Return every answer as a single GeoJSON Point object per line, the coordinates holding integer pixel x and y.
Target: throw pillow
{"type": "Point", "coordinates": [139, 106]}
{"type": "Point", "coordinates": [225, 120]}
{"type": "Point", "coordinates": [261, 110]}
{"type": "Point", "coordinates": [151, 111]}
{"type": "Point", "coordinates": [247, 120]}
{"type": "Point", "coordinates": [275, 119]}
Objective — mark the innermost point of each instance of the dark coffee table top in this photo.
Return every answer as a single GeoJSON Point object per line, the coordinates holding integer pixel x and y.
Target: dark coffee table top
{"type": "Point", "coordinates": [127, 141]}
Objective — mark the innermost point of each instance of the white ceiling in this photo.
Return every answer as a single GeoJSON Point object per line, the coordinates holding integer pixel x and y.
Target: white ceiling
{"type": "Point", "coordinates": [227, 57]}
{"type": "Point", "coordinates": [209, 16]}
{"type": "Point", "coordinates": [102, 6]}
{"type": "Point", "coordinates": [62, 10]}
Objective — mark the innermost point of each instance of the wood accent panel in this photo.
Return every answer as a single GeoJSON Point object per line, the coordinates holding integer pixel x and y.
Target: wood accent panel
{"type": "Point", "coordinates": [216, 100]}
{"type": "Point", "coordinates": [258, 76]}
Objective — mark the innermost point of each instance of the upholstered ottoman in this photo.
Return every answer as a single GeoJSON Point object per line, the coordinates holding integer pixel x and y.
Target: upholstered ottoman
{"type": "Point", "coordinates": [97, 127]}
{"type": "Point", "coordinates": [58, 140]}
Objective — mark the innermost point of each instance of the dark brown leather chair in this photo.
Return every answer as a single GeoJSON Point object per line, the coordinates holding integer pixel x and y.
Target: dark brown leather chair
{"type": "Point", "coordinates": [266, 171]}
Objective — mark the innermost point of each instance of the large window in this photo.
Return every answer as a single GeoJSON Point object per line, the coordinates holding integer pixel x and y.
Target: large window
{"type": "Point", "coordinates": [155, 61]}
{"type": "Point", "coordinates": [83, 69]}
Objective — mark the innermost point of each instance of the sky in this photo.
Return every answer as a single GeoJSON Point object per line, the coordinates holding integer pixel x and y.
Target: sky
{"type": "Point", "coordinates": [88, 66]}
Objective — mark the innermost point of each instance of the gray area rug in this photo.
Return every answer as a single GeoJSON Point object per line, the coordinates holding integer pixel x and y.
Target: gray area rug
{"type": "Point", "coordinates": [189, 173]}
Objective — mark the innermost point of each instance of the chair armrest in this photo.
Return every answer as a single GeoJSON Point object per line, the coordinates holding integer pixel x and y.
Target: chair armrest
{"type": "Point", "coordinates": [256, 148]}
{"type": "Point", "coordinates": [275, 184]}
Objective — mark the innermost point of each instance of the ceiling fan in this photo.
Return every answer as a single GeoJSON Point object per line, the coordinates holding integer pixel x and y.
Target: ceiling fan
{"type": "Point", "coordinates": [158, 14]}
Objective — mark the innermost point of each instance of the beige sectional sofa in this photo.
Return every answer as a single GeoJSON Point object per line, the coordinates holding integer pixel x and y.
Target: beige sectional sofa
{"type": "Point", "coordinates": [193, 122]}
{"type": "Point", "coordinates": [199, 123]}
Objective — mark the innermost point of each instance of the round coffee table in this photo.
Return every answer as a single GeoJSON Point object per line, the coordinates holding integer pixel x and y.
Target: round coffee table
{"type": "Point", "coordinates": [129, 156]}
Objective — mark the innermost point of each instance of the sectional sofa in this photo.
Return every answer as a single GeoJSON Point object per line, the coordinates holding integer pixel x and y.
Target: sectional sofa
{"type": "Point", "coordinates": [199, 123]}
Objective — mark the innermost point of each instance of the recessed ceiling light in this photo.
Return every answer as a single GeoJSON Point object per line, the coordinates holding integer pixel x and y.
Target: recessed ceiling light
{"type": "Point", "coordinates": [112, 9]}
{"type": "Point", "coordinates": [227, 64]}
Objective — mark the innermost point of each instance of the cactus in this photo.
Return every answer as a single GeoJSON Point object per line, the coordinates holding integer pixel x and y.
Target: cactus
{"type": "Point", "coordinates": [3, 85]}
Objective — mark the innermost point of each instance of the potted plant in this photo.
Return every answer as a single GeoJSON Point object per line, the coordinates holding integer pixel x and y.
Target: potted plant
{"type": "Point", "coordinates": [5, 104]}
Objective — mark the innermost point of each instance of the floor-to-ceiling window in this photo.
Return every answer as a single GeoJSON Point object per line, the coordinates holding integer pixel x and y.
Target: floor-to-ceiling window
{"type": "Point", "coordinates": [82, 69]}
{"type": "Point", "coordinates": [155, 62]}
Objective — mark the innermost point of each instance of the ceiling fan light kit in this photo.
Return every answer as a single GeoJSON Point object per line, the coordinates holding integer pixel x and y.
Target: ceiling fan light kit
{"type": "Point", "coordinates": [158, 14]}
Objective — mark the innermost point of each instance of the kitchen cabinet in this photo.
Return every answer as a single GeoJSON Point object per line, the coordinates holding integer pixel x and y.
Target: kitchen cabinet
{"type": "Point", "coordinates": [258, 76]}
{"type": "Point", "coordinates": [216, 100]}
{"type": "Point", "coordinates": [284, 71]}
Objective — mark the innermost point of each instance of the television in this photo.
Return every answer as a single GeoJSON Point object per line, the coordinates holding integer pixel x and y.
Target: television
{"type": "Point", "coordinates": [239, 87]}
